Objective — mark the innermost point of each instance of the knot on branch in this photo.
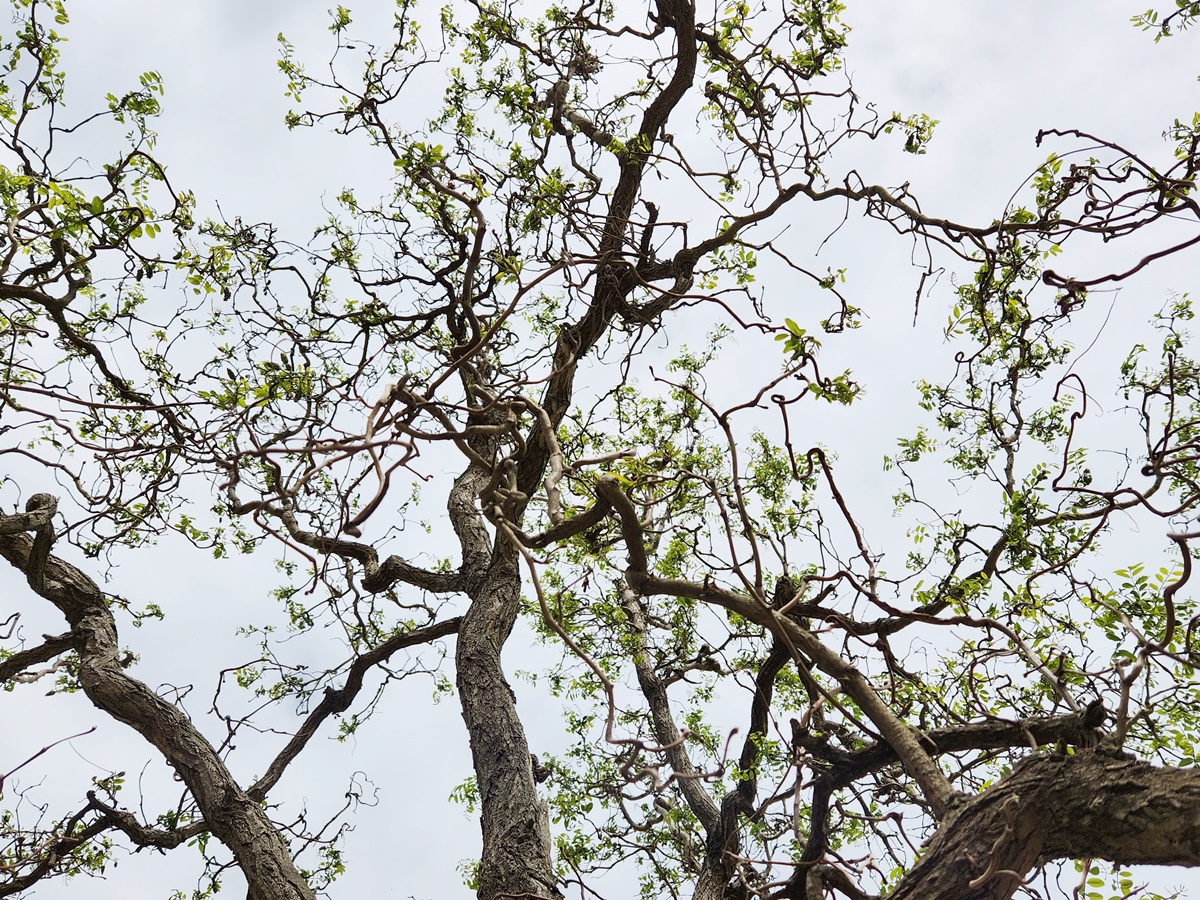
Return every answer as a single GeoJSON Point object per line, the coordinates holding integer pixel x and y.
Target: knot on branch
{"type": "Point", "coordinates": [39, 514]}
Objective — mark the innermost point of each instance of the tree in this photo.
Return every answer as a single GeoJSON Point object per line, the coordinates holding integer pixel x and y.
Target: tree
{"type": "Point", "coordinates": [689, 557]}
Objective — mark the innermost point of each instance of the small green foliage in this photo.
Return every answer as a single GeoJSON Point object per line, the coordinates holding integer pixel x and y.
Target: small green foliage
{"type": "Point", "coordinates": [566, 194]}
{"type": "Point", "coordinates": [1185, 13]}
{"type": "Point", "coordinates": [466, 795]}
{"type": "Point", "coordinates": [917, 130]}
{"type": "Point", "coordinates": [340, 19]}
{"type": "Point", "coordinates": [797, 342]}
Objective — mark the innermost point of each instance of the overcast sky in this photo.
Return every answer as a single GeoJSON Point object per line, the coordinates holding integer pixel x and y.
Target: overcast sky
{"type": "Point", "coordinates": [992, 72]}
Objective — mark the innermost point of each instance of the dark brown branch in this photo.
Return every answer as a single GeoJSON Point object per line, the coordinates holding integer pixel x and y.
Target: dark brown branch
{"type": "Point", "coordinates": [338, 701]}
{"type": "Point", "coordinates": [614, 279]}
{"type": "Point", "coordinates": [21, 660]}
{"type": "Point", "coordinates": [377, 577]}
{"type": "Point", "coordinates": [1074, 729]}
{"type": "Point", "coordinates": [568, 528]}
{"type": "Point", "coordinates": [52, 853]}
{"type": "Point", "coordinates": [75, 837]}
{"type": "Point", "coordinates": [142, 835]}
{"type": "Point", "coordinates": [932, 781]}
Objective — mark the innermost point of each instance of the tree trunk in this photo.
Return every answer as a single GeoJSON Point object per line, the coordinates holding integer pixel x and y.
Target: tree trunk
{"type": "Point", "coordinates": [516, 830]}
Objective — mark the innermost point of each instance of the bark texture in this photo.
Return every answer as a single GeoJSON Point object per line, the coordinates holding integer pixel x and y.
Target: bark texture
{"type": "Point", "coordinates": [1090, 805]}
{"type": "Point", "coordinates": [516, 858]}
{"type": "Point", "coordinates": [230, 814]}
{"type": "Point", "coordinates": [516, 830]}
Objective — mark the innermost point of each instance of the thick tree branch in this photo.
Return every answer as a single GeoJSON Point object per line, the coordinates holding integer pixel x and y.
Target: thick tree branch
{"type": "Point", "coordinates": [1074, 729]}
{"type": "Point", "coordinates": [21, 660]}
{"type": "Point", "coordinates": [235, 818]}
{"type": "Point", "coordinates": [1060, 807]}
{"type": "Point", "coordinates": [614, 277]}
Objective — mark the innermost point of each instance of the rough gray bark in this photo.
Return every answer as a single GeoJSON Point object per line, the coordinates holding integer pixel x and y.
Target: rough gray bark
{"type": "Point", "coordinates": [230, 814]}
{"type": "Point", "coordinates": [516, 831]}
{"type": "Point", "coordinates": [516, 851]}
{"type": "Point", "coordinates": [1090, 805]}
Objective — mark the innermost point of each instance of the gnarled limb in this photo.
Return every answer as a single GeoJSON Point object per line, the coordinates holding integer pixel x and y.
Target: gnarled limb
{"type": "Point", "coordinates": [51, 647]}
{"type": "Point", "coordinates": [1089, 805]}
{"type": "Point", "coordinates": [232, 815]}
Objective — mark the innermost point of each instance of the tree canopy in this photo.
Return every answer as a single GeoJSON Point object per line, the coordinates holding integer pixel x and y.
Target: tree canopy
{"type": "Point", "coordinates": [570, 369]}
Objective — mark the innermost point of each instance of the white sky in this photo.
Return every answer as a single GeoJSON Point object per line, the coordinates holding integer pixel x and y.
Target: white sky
{"type": "Point", "coordinates": [993, 72]}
